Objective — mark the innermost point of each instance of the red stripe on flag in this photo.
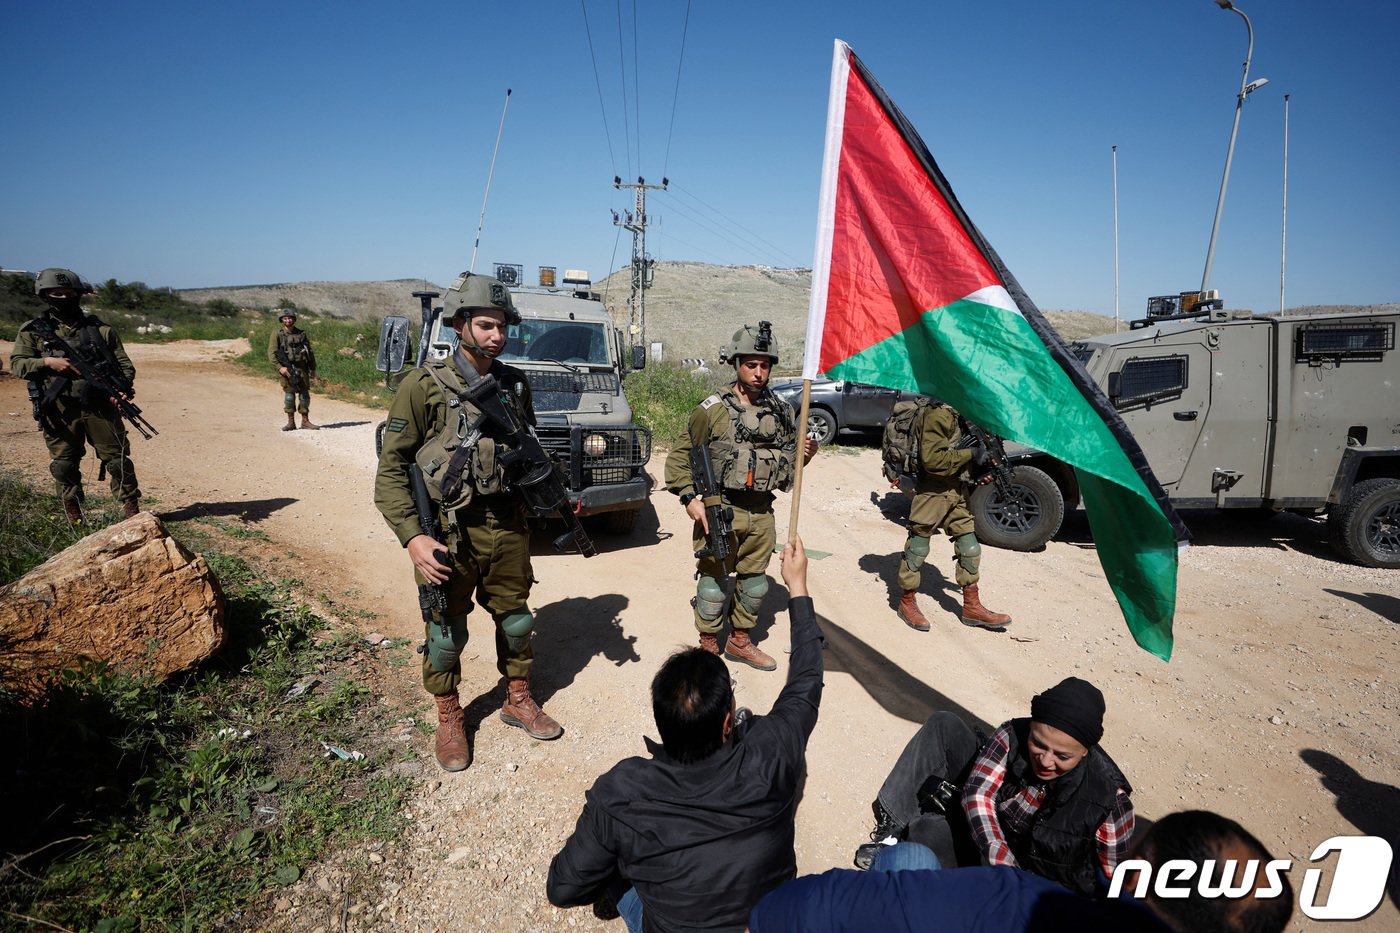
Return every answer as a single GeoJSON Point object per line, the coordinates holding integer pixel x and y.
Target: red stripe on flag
{"type": "Point", "coordinates": [898, 250]}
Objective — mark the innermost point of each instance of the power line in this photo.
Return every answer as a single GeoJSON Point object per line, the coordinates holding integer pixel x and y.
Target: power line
{"type": "Point", "coordinates": [637, 84]}
{"type": "Point", "coordinates": [685, 31]}
{"type": "Point", "coordinates": [776, 249]}
{"type": "Point", "coordinates": [622, 64]}
{"type": "Point", "coordinates": [598, 83]}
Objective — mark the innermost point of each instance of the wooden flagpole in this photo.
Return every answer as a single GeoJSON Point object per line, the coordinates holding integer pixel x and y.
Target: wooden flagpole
{"type": "Point", "coordinates": [801, 460]}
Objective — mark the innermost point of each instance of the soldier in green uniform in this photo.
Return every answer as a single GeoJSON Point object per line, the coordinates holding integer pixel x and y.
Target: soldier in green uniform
{"type": "Point", "coordinates": [487, 554]}
{"type": "Point", "coordinates": [752, 437]}
{"type": "Point", "coordinates": [70, 411]}
{"type": "Point", "coordinates": [290, 351]}
{"type": "Point", "coordinates": [940, 501]}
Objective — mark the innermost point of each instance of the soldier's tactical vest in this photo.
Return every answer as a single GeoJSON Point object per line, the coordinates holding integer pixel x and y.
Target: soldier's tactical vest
{"type": "Point", "coordinates": [87, 339]}
{"type": "Point", "coordinates": [459, 463]}
{"type": "Point", "coordinates": [758, 450]}
{"type": "Point", "coordinates": [296, 346]}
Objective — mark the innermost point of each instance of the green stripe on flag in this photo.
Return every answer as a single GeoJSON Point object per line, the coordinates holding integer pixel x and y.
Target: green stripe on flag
{"type": "Point", "coordinates": [986, 362]}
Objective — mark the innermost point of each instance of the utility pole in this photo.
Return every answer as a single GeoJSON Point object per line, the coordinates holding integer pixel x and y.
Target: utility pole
{"type": "Point", "coordinates": [635, 220]}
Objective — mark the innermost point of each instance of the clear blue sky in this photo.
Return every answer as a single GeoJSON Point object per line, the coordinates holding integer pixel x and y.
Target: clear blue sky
{"type": "Point", "coordinates": [199, 144]}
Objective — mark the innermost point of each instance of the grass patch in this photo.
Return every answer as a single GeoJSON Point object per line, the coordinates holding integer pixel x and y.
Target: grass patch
{"type": "Point", "coordinates": [345, 358]}
{"type": "Point", "coordinates": [664, 394]}
{"type": "Point", "coordinates": [136, 805]}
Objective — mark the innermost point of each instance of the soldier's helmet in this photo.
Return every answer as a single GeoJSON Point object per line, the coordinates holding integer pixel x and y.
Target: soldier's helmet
{"type": "Point", "coordinates": [60, 278]}
{"type": "Point", "coordinates": [284, 314]}
{"type": "Point", "coordinates": [751, 340]}
{"type": "Point", "coordinates": [473, 292]}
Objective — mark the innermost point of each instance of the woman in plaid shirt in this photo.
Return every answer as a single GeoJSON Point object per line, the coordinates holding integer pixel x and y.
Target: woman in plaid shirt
{"type": "Point", "coordinates": [1040, 794]}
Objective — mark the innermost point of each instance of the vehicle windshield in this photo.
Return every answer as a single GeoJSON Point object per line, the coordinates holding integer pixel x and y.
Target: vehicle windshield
{"type": "Point", "coordinates": [1082, 351]}
{"type": "Point", "coordinates": [575, 342]}
{"type": "Point", "coordinates": [566, 341]}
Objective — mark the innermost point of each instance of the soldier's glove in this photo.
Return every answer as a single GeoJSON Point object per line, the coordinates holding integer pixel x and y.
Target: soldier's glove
{"type": "Point", "coordinates": [981, 460]}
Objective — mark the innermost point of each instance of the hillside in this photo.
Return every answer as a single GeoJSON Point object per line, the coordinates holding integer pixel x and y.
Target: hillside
{"type": "Point", "coordinates": [357, 300]}
{"type": "Point", "coordinates": [692, 308]}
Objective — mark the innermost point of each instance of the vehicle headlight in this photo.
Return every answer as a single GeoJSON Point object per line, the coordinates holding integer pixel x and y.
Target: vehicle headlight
{"type": "Point", "coordinates": [595, 445]}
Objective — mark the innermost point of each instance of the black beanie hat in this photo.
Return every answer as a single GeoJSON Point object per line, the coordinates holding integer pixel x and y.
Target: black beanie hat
{"type": "Point", "coordinates": [1073, 706]}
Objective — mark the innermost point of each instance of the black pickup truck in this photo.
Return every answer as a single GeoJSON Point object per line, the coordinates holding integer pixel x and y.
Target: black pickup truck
{"type": "Point", "coordinates": [837, 406]}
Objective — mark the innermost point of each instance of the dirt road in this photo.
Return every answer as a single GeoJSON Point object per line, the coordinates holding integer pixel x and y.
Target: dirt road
{"type": "Point", "coordinates": [1279, 708]}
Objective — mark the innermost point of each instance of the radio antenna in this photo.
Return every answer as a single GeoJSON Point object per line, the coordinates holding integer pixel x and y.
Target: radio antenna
{"type": "Point", "coordinates": [491, 172]}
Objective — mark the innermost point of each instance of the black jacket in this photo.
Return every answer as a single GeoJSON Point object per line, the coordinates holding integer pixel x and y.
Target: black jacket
{"type": "Point", "coordinates": [702, 842]}
{"type": "Point", "coordinates": [1061, 844]}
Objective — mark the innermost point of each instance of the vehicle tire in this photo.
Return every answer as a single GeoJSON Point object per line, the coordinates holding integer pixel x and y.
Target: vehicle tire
{"type": "Point", "coordinates": [1025, 522]}
{"type": "Point", "coordinates": [1365, 528]}
{"type": "Point", "coordinates": [821, 425]}
{"type": "Point", "coordinates": [379, 437]}
{"type": "Point", "coordinates": [622, 522]}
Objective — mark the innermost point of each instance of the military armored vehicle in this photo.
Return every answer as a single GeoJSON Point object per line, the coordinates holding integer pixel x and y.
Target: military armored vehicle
{"type": "Point", "coordinates": [1243, 412]}
{"type": "Point", "coordinates": [573, 357]}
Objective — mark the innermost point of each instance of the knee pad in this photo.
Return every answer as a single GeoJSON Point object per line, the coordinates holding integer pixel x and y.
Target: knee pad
{"type": "Point", "coordinates": [968, 552]}
{"type": "Point", "coordinates": [516, 627]}
{"type": "Point", "coordinates": [750, 591]}
{"type": "Point", "coordinates": [709, 598]}
{"type": "Point", "coordinates": [289, 402]}
{"type": "Point", "coordinates": [65, 471]}
{"type": "Point", "coordinates": [445, 643]}
{"type": "Point", "coordinates": [915, 551]}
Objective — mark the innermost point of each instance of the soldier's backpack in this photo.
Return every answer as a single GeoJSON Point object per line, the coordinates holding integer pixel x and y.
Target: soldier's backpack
{"type": "Point", "coordinates": [900, 444]}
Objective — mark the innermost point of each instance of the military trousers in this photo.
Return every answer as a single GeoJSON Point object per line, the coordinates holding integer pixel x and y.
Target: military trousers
{"type": "Point", "coordinates": [490, 557]}
{"type": "Point", "coordinates": [931, 510]}
{"type": "Point", "coordinates": [71, 428]}
{"type": "Point", "coordinates": [755, 534]}
{"type": "Point", "coordinates": [297, 397]}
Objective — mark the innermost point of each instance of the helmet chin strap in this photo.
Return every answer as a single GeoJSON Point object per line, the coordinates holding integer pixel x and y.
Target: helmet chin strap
{"type": "Point", "coordinates": [477, 348]}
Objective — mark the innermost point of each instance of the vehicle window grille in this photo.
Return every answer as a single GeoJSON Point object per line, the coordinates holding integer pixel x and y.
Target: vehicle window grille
{"type": "Point", "coordinates": [564, 391]}
{"type": "Point", "coordinates": [1316, 343]}
{"type": "Point", "coordinates": [1151, 379]}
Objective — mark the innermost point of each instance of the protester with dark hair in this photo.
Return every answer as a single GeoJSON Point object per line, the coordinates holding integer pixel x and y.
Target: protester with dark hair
{"type": "Point", "coordinates": [892, 898]}
{"type": "Point", "coordinates": [1040, 794]}
{"type": "Point", "coordinates": [692, 837]}
{"type": "Point", "coordinates": [1197, 836]}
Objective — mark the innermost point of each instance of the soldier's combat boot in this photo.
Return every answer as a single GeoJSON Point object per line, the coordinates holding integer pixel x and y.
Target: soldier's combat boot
{"type": "Point", "coordinates": [910, 613]}
{"type": "Point", "coordinates": [72, 511]}
{"type": "Point", "coordinates": [974, 613]}
{"type": "Point", "coordinates": [306, 424]}
{"type": "Point", "coordinates": [451, 750]}
{"type": "Point", "coordinates": [522, 710]}
{"type": "Point", "coordinates": [291, 424]}
{"type": "Point", "coordinates": [710, 642]}
{"type": "Point", "coordinates": [130, 507]}
{"type": "Point", "coordinates": [739, 647]}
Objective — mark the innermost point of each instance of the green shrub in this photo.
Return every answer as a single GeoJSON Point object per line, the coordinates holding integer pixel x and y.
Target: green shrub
{"type": "Point", "coordinates": [663, 395]}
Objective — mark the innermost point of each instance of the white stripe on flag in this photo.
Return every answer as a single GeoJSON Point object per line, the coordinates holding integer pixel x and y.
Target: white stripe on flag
{"type": "Point", "coordinates": [826, 208]}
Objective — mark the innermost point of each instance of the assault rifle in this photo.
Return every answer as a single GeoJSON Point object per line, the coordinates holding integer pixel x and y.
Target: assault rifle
{"type": "Point", "coordinates": [718, 516]}
{"type": "Point", "coordinates": [431, 596]}
{"type": "Point", "coordinates": [102, 375]}
{"type": "Point", "coordinates": [997, 471]}
{"type": "Point", "coordinates": [293, 376]}
{"type": "Point", "coordinates": [527, 465]}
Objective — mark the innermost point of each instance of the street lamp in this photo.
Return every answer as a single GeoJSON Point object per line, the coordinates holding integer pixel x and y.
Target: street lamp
{"type": "Point", "coordinates": [1247, 87]}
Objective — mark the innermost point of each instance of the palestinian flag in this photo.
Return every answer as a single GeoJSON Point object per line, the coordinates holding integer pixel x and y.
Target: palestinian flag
{"type": "Point", "coordinates": [906, 293]}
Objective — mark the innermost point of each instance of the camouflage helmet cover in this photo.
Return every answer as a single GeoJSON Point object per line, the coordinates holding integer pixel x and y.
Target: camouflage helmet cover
{"type": "Point", "coordinates": [751, 340]}
{"type": "Point", "coordinates": [284, 313]}
{"type": "Point", "coordinates": [471, 292]}
{"type": "Point", "coordinates": [60, 278]}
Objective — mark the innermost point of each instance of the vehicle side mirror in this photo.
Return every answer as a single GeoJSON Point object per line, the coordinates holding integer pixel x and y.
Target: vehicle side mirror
{"type": "Point", "coordinates": [639, 357]}
{"type": "Point", "coordinates": [1115, 384]}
